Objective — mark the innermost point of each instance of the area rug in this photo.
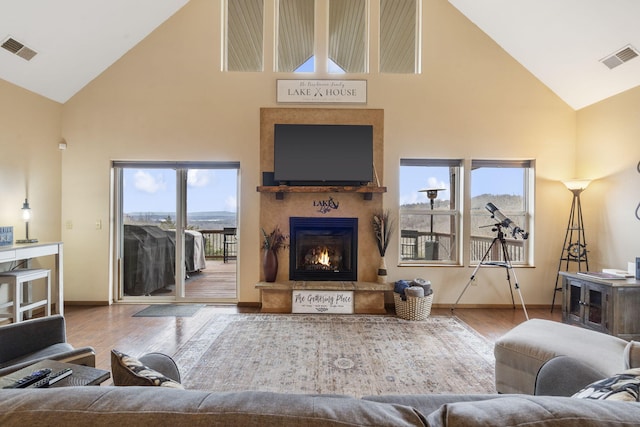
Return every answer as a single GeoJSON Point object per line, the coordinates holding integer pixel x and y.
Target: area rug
{"type": "Point", "coordinates": [169, 310]}
{"type": "Point", "coordinates": [354, 355]}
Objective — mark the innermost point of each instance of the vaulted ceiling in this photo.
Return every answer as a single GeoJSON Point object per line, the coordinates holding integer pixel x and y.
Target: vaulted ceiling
{"type": "Point", "coordinates": [75, 40]}
{"type": "Point", "coordinates": [561, 42]}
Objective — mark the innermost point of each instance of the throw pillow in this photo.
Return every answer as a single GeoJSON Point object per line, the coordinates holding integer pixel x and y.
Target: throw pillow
{"type": "Point", "coordinates": [623, 387]}
{"type": "Point", "coordinates": [632, 355]}
{"type": "Point", "coordinates": [129, 371]}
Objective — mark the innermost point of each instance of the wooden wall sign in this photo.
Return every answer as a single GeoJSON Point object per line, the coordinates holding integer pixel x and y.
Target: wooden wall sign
{"type": "Point", "coordinates": [321, 91]}
{"type": "Point", "coordinates": [334, 302]}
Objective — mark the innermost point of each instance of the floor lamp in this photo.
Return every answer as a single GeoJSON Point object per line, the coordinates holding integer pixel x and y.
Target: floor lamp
{"type": "Point", "coordinates": [574, 248]}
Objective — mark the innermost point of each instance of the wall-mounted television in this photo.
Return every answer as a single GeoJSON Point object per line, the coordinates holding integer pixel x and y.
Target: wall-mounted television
{"type": "Point", "coordinates": [323, 154]}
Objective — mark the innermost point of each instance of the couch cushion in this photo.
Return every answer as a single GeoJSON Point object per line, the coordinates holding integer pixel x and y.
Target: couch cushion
{"type": "Point", "coordinates": [31, 336]}
{"type": "Point", "coordinates": [522, 351]}
{"type": "Point", "coordinates": [428, 403]}
{"type": "Point", "coordinates": [564, 376]}
{"type": "Point", "coordinates": [129, 371]}
{"type": "Point", "coordinates": [43, 353]}
{"type": "Point", "coordinates": [632, 355]}
{"type": "Point", "coordinates": [624, 386]}
{"type": "Point", "coordinates": [537, 411]}
{"type": "Point", "coordinates": [158, 406]}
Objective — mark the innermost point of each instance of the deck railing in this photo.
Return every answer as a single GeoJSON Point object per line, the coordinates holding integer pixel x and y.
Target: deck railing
{"type": "Point", "coordinates": [481, 244]}
{"type": "Point", "coordinates": [223, 244]}
{"type": "Point", "coordinates": [220, 244]}
{"type": "Point", "coordinates": [417, 245]}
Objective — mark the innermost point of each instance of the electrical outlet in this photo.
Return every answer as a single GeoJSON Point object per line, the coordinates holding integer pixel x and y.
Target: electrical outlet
{"type": "Point", "coordinates": [68, 225]}
{"type": "Point", "coordinates": [474, 282]}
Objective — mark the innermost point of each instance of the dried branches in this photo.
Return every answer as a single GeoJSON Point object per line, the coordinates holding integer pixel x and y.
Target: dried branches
{"type": "Point", "coordinates": [383, 226]}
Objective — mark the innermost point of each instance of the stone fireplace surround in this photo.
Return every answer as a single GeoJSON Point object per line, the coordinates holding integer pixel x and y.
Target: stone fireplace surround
{"type": "Point", "coordinates": [275, 211]}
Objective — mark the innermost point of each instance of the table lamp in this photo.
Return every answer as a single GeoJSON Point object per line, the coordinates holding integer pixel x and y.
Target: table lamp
{"type": "Point", "coordinates": [26, 216]}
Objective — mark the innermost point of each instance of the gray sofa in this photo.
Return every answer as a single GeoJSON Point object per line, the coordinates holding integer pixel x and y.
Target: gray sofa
{"type": "Point", "coordinates": [159, 406]}
{"type": "Point", "coordinates": [522, 352]}
{"type": "Point", "coordinates": [560, 376]}
{"type": "Point", "coordinates": [25, 343]}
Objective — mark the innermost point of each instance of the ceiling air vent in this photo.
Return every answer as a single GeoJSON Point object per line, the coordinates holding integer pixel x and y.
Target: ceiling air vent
{"type": "Point", "coordinates": [620, 57]}
{"type": "Point", "coordinates": [17, 48]}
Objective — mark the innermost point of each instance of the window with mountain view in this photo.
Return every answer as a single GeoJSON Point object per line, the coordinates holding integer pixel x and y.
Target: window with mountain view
{"type": "Point", "coordinates": [429, 221]}
{"type": "Point", "coordinates": [175, 230]}
{"type": "Point", "coordinates": [508, 185]}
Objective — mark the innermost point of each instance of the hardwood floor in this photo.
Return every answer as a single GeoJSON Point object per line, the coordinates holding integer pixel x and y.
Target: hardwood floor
{"type": "Point", "coordinates": [113, 327]}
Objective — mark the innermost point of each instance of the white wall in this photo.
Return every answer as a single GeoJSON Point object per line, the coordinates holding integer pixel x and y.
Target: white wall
{"type": "Point", "coordinates": [168, 99]}
{"type": "Point", "coordinates": [609, 153]}
{"type": "Point", "coordinates": [29, 167]}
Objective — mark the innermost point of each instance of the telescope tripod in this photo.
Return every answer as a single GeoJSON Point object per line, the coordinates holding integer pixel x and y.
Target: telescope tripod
{"type": "Point", "coordinates": [499, 239]}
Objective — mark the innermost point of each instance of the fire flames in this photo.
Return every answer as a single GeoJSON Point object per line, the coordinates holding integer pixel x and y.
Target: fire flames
{"type": "Point", "coordinates": [319, 256]}
{"type": "Point", "coordinates": [323, 257]}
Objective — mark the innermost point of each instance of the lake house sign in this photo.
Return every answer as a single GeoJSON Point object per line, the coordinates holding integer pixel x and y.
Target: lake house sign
{"type": "Point", "coordinates": [321, 91]}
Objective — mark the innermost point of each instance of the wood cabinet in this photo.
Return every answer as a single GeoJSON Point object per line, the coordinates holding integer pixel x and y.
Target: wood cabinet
{"type": "Point", "coordinates": [608, 306]}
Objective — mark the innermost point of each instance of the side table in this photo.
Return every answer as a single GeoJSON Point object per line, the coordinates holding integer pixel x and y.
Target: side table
{"type": "Point", "coordinates": [81, 376]}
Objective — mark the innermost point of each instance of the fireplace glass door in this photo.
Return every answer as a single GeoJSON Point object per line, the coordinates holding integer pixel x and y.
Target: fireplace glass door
{"type": "Point", "coordinates": [323, 249]}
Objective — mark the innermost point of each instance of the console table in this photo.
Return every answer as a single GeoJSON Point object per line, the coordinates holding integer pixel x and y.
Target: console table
{"type": "Point", "coordinates": [20, 252]}
{"type": "Point", "coordinates": [368, 296]}
{"type": "Point", "coordinates": [605, 305]}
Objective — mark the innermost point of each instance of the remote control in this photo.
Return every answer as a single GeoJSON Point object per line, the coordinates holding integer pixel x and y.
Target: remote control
{"type": "Point", "coordinates": [57, 376]}
{"type": "Point", "coordinates": [52, 378]}
{"type": "Point", "coordinates": [42, 383]}
{"type": "Point", "coordinates": [34, 377]}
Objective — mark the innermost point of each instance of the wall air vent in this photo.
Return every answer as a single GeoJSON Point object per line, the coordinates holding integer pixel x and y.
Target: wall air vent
{"type": "Point", "coordinates": [17, 48]}
{"type": "Point", "coordinates": [620, 57]}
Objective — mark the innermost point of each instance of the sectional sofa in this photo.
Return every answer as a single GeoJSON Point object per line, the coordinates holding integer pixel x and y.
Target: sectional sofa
{"type": "Point", "coordinates": [159, 406]}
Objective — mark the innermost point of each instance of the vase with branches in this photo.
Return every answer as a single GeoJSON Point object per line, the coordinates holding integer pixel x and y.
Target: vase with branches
{"type": "Point", "coordinates": [383, 226]}
{"type": "Point", "coordinates": [272, 243]}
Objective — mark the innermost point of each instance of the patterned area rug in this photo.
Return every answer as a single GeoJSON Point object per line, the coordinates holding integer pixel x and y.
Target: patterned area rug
{"type": "Point", "coordinates": [355, 355]}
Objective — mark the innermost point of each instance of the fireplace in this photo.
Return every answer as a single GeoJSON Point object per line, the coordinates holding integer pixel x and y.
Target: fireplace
{"type": "Point", "coordinates": [323, 249]}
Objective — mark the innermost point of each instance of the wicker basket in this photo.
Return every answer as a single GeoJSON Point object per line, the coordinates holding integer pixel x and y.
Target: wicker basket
{"type": "Point", "coordinates": [413, 308]}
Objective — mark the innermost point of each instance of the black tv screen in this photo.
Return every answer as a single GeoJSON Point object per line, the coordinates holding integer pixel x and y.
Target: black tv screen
{"type": "Point", "coordinates": [323, 154]}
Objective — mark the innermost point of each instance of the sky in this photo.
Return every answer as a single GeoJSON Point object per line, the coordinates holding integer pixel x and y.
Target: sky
{"type": "Point", "coordinates": [153, 190]}
{"type": "Point", "coordinates": [483, 181]}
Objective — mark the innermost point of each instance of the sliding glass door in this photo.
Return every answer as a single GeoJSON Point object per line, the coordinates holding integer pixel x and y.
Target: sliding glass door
{"type": "Point", "coordinates": [176, 231]}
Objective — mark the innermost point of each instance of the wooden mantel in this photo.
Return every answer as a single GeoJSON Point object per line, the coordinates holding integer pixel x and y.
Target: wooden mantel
{"type": "Point", "coordinates": [281, 189]}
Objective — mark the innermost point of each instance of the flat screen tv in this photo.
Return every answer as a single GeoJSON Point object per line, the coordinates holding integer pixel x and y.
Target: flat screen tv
{"type": "Point", "coordinates": [323, 154]}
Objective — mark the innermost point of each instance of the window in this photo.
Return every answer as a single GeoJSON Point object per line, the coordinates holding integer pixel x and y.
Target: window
{"type": "Point", "coordinates": [295, 34]}
{"type": "Point", "coordinates": [430, 211]}
{"type": "Point", "coordinates": [175, 225]}
{"type": "Point", "coordinates": [508, 185]}
{"type": "Point", "coordinates": [348, 35]}
{"type": "Point", "coordinates": [243, 35]}
{"type": "Point", "coordinates": [399, 41]}
{"type": "Point", "coordinates": [343, 28]}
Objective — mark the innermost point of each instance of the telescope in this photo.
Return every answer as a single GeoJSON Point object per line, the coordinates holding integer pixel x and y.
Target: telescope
{"type": "Point", "coordinates": [506, 222]}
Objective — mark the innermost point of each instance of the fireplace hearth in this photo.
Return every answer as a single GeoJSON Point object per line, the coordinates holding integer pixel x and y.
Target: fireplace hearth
{"type": "Point", "coordinates": [323, 249]}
